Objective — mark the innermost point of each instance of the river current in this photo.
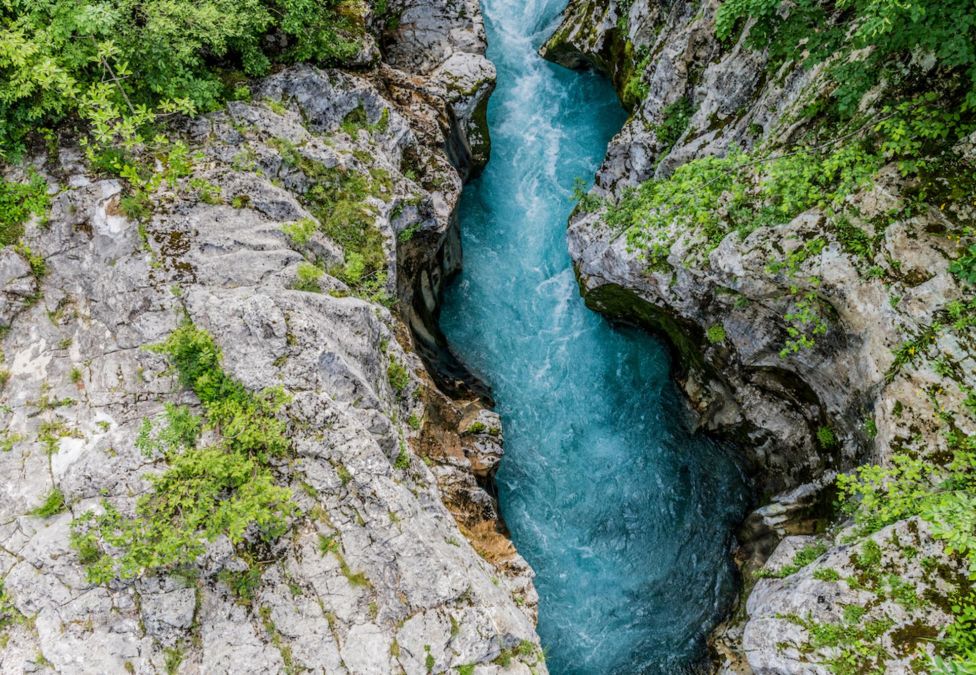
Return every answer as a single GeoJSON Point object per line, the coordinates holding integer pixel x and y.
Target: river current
{"type": "Point", "coordinates": [623, 513]}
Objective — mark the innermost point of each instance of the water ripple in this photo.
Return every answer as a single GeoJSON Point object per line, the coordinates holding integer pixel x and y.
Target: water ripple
{"type": "Point", "coordinates": [623, 513]}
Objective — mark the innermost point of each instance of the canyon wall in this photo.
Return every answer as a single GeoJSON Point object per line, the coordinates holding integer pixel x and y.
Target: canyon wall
{"type": "Point", "coordinates": [889, 356]}
{"type": "Point", "coordinates": [394, 558]}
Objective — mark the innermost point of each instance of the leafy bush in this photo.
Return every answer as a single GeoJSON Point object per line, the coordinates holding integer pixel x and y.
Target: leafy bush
{"type": "Point", "coordinates": [636, 88]}
{"type": "Point", "coordinates": [18, 202]}
{"type": "Point", "coordinates": [674, 121]}
{"type": "Point", "coordinates": [586, 202]}
{"type": "Point", "coordinates": [889, 33]}
{"type": "Point", "coordinates": [403, 458]}
{"type": "Point", "coordinates": [826, 574]}
{"type": "Point", "coordinates": [398, 376]}
{"type": "Point", "coordinates": [965, 266]}
{"type": "Point", "coordinates": [300, 232]}
{"type": "Point", "coordinates": [131, 58]}
{"type": "Point", "coordinates": [53, 504]}
{"type": "Point", "coordinates": [826, 438]}
{"type": "Point", "coordinates": [960, 636]}
{"type": "Point", "coordinates": [715, 334]}
{"type": "Point", "coordinates": [227, 489]}
{"type": "Point", "coordinates": [716, 195]}
{"type": "Point", "coordinates": [308, 277]}
{"type": "Point", "coordinates": [180, 432]}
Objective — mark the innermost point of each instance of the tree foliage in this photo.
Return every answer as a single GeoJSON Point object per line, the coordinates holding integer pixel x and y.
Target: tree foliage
{"type": "Point", "coordinates": [99, 60]}
{"type": "Point", "coordinates": [869, 36]}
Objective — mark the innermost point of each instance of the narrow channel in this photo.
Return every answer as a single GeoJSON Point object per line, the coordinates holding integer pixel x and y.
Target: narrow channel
{"type": "Point", "coordinates": [623, 513]}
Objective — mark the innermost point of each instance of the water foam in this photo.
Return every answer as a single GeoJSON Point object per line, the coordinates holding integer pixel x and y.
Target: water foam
{"type": "Point", "coordinates": [623, 513]}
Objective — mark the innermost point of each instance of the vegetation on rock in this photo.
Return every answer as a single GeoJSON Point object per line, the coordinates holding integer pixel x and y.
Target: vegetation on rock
{"type": "Point", "coordinates": [115, 65]}
{"type": "Point", "coordinates": [227, 488]}
{"type": "Point", "coordinates": [925, 107]}
{"type": "Point", "coordinates": [18, 202]}
{"type": "Point", "coordinates": [891, 102]}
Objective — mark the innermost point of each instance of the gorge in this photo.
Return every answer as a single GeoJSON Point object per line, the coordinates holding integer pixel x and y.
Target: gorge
{"type": "Point", "coordinates": [701, 397]}
{"type": "Point", "coordinates": [624, 515]}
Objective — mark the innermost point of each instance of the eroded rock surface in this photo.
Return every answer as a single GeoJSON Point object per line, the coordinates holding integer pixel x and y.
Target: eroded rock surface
{"type": "Point", "coordinates": [873, 385]}
{"type": "Point", "coordinates": [397, 561]}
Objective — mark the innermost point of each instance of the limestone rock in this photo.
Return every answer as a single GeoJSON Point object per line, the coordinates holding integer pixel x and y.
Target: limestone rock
{"type": "Point", "coordinates": [896, 604]}
{"type": "Point", "coordinates": [405, 576]}
{"type": "Point", "coordinates": [863, 391]}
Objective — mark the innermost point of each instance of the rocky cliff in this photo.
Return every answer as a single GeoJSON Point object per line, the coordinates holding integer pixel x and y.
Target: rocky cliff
{"type": "Point", "coordinates": [816, 341]}
{"type": "Point", "coordinates": [307, 233]}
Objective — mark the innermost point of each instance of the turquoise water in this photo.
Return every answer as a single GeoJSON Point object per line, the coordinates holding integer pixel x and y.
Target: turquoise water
{"type": "Point", "coordinates": [624, 514]}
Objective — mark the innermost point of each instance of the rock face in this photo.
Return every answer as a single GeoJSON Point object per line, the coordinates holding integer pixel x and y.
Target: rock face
{"type": "Point", "coordinates": [397, 561]}
{"type": "Point", "coordinates": [874, 590]}
{"type": "Point", "coordinates": [863, 392]}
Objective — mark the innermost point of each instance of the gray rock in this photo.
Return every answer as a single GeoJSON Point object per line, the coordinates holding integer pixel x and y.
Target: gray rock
{"type": "Point", "coordinates": [776, 407]}
{"type": "Point", "coordinates": [402, 576]}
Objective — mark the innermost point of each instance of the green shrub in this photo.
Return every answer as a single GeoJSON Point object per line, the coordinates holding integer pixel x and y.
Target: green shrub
{"type": "Point", "coordinates": [403, 458]}
{"type": "Point", "coordinates": [636, 88]}
{"type": "Point", "coordinates": [398, 376]}
{"type": "Point", "coordinates": [227, 489]}
{"type": "Point", "coordinates": [37, 263]}
{"type": "Point", "coordinates": [739, 192]}
{"type": "Point", "coordinates": [300, 232]}
{"type": "Point", "coordinates": [477, 428]}
{"type": "Point", "coordinates": [826, 574]}
{"type": "Point", "coordinates": [965, 266]}
{"type": "Point", "coordinates": [209, 193]}
{"type": "Point", "coordinates": [243, 584]}
{"type": "Point", "coordinates": [585, 201]}
{"type": "Point", "coordinates": [18, 202]}
{"type": "Point", "coordinates": [180, 432]}
{"type": "Point", "coordinates": [885, 34]}
{"type": "Point", "coordinates": [53, 504]}
{"type": "Point", "coordinates": [674, 121]}
{"type": "Point", "coordinates": [715, 334]}
{"type": "Point", "coordinates": [826, 438]}
{"type": "Point", "coordinates": [960, 635]}
{"type": "Point", "coordinates": [308, 277]}
{"type": "Point", "coordinates": [62, 58]}
{"type": "Point", "coordinates": [854, 642]}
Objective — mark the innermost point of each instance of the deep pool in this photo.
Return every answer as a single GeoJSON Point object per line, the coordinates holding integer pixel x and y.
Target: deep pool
{"type": "Point", "coordinates": [623, 513]}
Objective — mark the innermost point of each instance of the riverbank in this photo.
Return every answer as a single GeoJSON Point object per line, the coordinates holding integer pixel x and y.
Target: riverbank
{"type": "Point", "coordinates": [281, 487]}
{"type": "Point", "coordinates": [819, 337]}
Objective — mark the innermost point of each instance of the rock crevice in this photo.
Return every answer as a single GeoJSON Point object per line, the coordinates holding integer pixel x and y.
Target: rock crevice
{"type": "Point", "coordinates": [396, 560]}
{"type": "Point", "coordinates": [799, 416]}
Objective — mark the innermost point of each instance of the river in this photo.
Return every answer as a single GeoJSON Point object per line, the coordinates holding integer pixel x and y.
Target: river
{"type": "Point", "coordinates": [624, 514]}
